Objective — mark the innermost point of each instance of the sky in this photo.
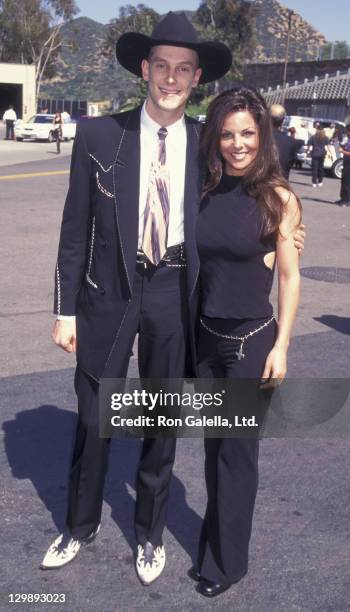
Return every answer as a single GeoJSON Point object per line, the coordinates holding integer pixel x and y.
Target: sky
{"type": "Point", "coordinates": [330, 17]}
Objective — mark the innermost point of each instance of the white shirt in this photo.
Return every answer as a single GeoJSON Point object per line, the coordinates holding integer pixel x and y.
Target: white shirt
{"type": "Point", "coordinates": [175, 142]}
{"type": "Point", "coordinates": [9, 115]}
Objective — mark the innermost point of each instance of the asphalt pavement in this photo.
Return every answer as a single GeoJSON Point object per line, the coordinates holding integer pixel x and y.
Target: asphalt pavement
{"type": "Point", "coordinates": [300, 547]}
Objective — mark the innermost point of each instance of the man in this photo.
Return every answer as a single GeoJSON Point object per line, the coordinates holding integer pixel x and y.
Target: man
{"type": "Point", "coordinates": [345, 179]}
{"type": "Point", "coordinates": [10, 117]}
{"type": "Point", "coordinates": [286, 145]}
{"type": "Point", "coordinates": [128, 264]}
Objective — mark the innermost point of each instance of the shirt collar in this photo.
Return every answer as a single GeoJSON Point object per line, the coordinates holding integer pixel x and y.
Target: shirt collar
{"type": "Point", "coordinates": [152, 126]}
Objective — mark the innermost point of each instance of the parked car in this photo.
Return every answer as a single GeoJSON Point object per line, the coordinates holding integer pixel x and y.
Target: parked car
{"type": "Point", "coordinates": [304, 127]}
{"type": "Point", "coordinates": [39, 127]}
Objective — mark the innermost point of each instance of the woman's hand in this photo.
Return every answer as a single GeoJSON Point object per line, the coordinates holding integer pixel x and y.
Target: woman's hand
{"type": "Point", "coordinates": [275, 368]}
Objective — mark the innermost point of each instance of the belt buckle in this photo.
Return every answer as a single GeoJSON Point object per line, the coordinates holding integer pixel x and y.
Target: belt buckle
{"type": "Point", "coordinates": [147, 263]}
{"type": "Point", "coordinates": [143, 261]}
{"type": "Point", "coordinates": [140, 259]}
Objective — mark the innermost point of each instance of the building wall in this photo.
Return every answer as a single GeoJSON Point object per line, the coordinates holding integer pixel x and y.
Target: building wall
{"type": "Point", "coordinates": [271, 75]}
{"type": "Point", "coordinates": [23, 75]}
{"type": "Point", "coordinates": [311, 108]}
{"type": "Point", "coordinates": [76, 108]}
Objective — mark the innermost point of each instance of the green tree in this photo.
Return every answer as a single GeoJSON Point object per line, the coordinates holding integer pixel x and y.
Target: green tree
{"type": "Point", "coordinates": [233, 23]}
{"type": "Point", "coordinates": [138, 18]}
{"type": "Point", "coordinates": [335, 50]}
{"type": "Point", "coordinates": [30, 32]}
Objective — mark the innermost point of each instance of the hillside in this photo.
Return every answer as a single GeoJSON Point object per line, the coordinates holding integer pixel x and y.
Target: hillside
{"type": "Point", "coordinates": [272, 26]}
{"type": "Point", "coordinates": [83, 73]}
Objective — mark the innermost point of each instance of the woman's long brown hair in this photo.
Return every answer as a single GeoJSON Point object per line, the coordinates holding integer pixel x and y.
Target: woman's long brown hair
{"type": "Point", "coordinates": [264, 174]}
{"type": "Point", "coordinates": [320, 135]}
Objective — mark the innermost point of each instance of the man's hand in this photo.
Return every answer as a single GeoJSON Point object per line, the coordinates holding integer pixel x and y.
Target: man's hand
{"type": "Point", "coordinates": [299, 238]}
{"type": "Point", "coordinates": [64, 334]}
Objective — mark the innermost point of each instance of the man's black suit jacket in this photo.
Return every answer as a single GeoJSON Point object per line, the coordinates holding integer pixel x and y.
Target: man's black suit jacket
{"type": "Point", "coordinates": [99, 234]}
{"type": "Point", "coordinates": [287, 148]}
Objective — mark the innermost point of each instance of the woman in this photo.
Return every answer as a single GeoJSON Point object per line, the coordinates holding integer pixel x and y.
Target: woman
{"type": "Point", "coordinates": [247, 220]}
{"type": "Point", "coordinates": [317, 144]}
{"type": "Point", "coordinates": [57, 124]}
{"type": "Point", "coordinates": [338, 136]}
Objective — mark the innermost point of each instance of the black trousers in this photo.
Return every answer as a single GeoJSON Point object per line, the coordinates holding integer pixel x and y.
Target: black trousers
{"type": "Point", "coordinates": [231, 464]}
{"type": "Point", "coordinates": [10, 129]}
{"type": "Point", "coordinates": [345, 182]}
{"type": "Point", "coordinates": [158, 313]}
{"type": "Point", "coordinates": [317, 169]}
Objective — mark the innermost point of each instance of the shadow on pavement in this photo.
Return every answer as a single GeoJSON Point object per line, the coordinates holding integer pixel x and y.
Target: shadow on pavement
{"type": "Point", "coordinates": [37, 442]}
{"type": "Point", "coordinates": [323, 354]}
{"type": "Point", "coordinates": [318, 200]}
{"type": "Point", "coordinates": [340, 324]}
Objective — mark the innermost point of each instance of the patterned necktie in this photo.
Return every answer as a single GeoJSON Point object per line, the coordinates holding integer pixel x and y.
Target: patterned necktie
{"type": "Point", "coordinates": [155, 233]}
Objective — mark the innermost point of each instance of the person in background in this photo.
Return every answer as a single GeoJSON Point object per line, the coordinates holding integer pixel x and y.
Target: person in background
{"type": "Point", "coordinates": [247, 219]}
{"type": "Point", "coordinates": [57, 124]}
{"type": "Point", "coordinates": [337, 138]}
{"type": "Point", "coordinates": [10, 118]}
{"type": "Point", "coordinates": [287, 146]}
{"type": "Point", "coordinates": [318, 143]}
{"type": "Point", "coordinates": [292, 133]}
{"type": "Point", "coordinates": [345, 179]}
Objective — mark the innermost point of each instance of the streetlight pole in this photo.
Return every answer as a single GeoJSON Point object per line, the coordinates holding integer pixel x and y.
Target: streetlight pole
{"type": "Point", "coordinates": [290, 20]}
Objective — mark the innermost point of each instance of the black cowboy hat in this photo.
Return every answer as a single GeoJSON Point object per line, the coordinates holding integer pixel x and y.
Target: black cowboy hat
{"type": "Point", "coordinates": [174, 29]}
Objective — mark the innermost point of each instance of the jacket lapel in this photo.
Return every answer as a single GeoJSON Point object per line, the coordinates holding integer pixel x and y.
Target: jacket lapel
{"type": "Point", "coordinates": [126, 180]}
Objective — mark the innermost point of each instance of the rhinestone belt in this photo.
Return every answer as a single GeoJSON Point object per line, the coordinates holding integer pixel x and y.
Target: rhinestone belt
{"type": "Point", "coordinates": [239, 354]}
{"type": "Point", "coordinates": [174, 257]}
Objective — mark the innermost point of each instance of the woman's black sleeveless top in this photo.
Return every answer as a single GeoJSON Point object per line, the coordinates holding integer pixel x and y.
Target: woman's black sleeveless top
{"type": "Point", "coordinates": [234, 280]}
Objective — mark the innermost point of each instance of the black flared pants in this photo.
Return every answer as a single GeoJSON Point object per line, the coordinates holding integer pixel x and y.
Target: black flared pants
{"type": "Point", "coordinates": [231, 464]}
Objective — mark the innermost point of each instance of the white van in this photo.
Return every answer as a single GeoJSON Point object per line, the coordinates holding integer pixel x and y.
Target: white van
{"type": "Point", "coordinates": [304, 126]}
